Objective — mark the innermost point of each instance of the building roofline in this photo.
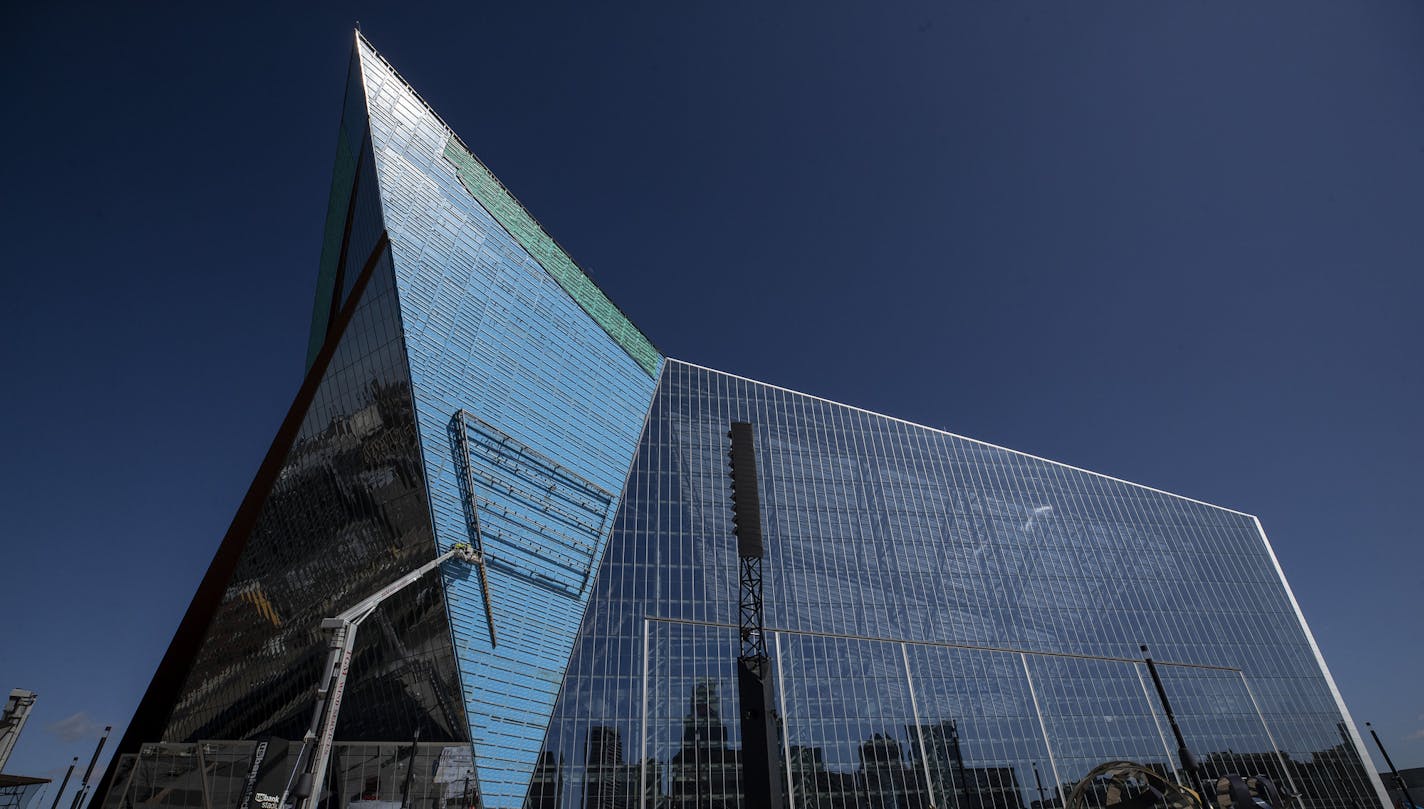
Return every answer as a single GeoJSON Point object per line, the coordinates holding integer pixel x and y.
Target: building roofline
{"type": "Point", "coordinates": [964, 438]}
{"type": "Point", "coordinates": [361, 38]}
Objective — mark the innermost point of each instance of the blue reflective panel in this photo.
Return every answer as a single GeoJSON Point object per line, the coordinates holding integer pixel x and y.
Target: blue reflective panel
{"type": "Point", "coordinates": [529, 414]}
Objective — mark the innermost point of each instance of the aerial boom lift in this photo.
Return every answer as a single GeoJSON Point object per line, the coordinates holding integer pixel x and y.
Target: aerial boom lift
{"type": "Point", "coordinates": [309, 774]}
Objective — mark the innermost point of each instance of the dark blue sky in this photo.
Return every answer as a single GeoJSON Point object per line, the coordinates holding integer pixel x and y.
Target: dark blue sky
{"type": "Point", "coordinates": [1178, 243]}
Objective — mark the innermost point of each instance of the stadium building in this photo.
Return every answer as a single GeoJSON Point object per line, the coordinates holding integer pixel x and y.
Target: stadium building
{"type": "Point", "coordinates": [931, 621]}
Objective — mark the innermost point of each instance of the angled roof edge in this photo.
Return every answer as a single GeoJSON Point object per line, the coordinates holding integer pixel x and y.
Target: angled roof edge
{"type": "Point", "coordinates": [523, 227]}
{"type": "Point", "coordinates": [919, 426]}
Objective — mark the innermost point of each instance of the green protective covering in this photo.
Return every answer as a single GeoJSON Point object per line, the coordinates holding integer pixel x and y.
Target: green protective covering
{"type": "Point", "coordinates": [506, 210]}
{"type": "Point", "coordinates": [342, 178]}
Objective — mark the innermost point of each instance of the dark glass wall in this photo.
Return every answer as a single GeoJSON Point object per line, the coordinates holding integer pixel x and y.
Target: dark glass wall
{"type": "Point", "coordinates": [950, 624]}
{"type": "Point", "coordinates": [347, 515]}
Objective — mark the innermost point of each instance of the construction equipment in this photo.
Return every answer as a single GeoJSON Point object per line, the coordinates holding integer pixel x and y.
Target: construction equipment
{"type": "Point", "coordinates": [309, 773]}
{"type": "Point", "coordinates": [1128, 785]}
{"type": "Point", "coordinates": [12, 721]}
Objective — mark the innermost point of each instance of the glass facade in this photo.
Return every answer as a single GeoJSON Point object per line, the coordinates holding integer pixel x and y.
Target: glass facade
{"type": "Point", "coordinates": [347, 514]}
{"type": "Point", "coordinates": [213, 774]}
{"type": "Point", "coordinates": [951, 624]}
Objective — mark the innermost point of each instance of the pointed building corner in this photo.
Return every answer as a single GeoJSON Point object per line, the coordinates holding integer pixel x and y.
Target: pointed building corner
{"type": "Point", "coordinates": [496, 317]}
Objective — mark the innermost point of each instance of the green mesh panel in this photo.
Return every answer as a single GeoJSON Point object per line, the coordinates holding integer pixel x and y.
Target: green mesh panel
{"type": "Point", "coordinates": [506, 210]}
{"type": "Point", "coordinates": [342, 177]}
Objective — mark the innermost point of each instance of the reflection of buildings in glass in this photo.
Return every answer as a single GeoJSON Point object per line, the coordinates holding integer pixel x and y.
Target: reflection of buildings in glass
{"type": "Point", "coordinates": [813, 785]}
{"type": "Point", "coordinates": [609, 783]}
{"type": "Point", "coordinates": [354, 481]}
{"type": "Point", "coordinates": [704, 769]}
{"type": "Point", "coordinates": [546, 788]}
{"type": "Point", "coordinates": [886, 779]}
{"type": "Point", "coordinates": [963, 786]}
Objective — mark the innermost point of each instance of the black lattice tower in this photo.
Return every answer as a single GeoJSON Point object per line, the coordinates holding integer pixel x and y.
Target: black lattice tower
{"type": "Point", "coordinates": [761, 774]}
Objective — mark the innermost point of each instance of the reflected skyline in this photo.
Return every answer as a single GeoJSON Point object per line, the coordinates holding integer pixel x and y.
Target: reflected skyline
{"type": "Point", "coordinates": [888, 771]}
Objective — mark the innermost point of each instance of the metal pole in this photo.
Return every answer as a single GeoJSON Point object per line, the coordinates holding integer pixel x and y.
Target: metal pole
{"type": "Point", "coordinates": [1042, 801]}
{"type": "Point", "coordinates": [1189, 761]}
{"type": "Point", "coordinates": [962, 791]}
{"type": "Point", "coordinates": [84, 785]}
{"type": "Point", "coordinates": [410, 769]}
{"type": "Point", "coordinates": [62, 784]}
{"type": "Point", "coordinates": [1398, 779]}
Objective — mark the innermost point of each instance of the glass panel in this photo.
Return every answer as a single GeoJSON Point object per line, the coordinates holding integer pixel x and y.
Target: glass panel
{"type": "Point", "coordinates": [167, 775]}
{"type": "Point", "coordinates": [346, 515]}
{"type": "Point", "coordinates": [226, 767]}
{"type": "Point", "coordinates": [850, 726]}
{"type": "Point", "coordinates": [983, 741]}
{"type": "Point", "coordinates": [1096, 711]}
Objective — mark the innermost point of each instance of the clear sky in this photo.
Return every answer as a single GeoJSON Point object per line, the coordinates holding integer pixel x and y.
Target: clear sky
{"type": "Point", "coordinates": [1179, 243]}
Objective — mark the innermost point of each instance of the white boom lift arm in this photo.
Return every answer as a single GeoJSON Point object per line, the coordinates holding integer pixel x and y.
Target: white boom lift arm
{"type": "Point", "coordinates": [309, 779]}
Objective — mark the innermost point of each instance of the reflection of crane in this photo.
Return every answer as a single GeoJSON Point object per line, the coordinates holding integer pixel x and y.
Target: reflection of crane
{"type": "Point", "coordinates": [343, 627]}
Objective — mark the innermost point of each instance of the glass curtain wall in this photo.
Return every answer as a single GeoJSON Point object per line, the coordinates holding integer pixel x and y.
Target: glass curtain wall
{"type": "Point", "coordinates": [952, 624]}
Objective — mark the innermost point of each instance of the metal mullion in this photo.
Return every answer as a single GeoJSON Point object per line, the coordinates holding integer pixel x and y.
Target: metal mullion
{"type": "Point", "coordinates": [202, 776]}
{"type": "Point", "coordinates": [1024, 549]}
{"type": "Point", "coordinates": [1070, 514]}
{"type": "Point", "coordinates": [856, 577]}
{"type": "Point", "coordinates": [919, 725]}
{"type": "Point", "coordinates": [1015, 470]}
{"type": "Point", "coordinates": [939, 448]}
{"type": "Point", "coordinates": [1122, 520]}
{"type": "Point", "coordinates": [1116, 521]}
{"type": "Point", "coordinates": [801, 529]}
{"type": "Point", "coordinates": [990, 476]}
{"type": "Point", "coordinates": [873, 543]}
{"type": "Point", "coordinates": [900, 533]}
{"type": "Point", "coordinates": [985, 533]}
{"type": "Point", "coordinates": [917, 447]}
{"type": "Point", "coordinates": [786, 719]}
{"type": "Point", "coordinates": [1043, 728]}
{"type": "Point", "coordinates": [1285, 770]}
{"type": "Point", "coordinates": [818, 462]}
{"type": "Point", "coordinates": [1177, 534]}
{"type": "Point", "coordinates": [812, 443]}
{"type": "Point", "coordinates": [643, 731]}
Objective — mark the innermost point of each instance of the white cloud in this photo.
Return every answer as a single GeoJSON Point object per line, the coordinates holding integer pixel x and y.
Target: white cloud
{"type": "Point", "coordinates": [76, 727]}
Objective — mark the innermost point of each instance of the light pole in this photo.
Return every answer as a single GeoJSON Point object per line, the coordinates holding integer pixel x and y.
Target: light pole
{"type": "Point", "coordinates": [84, 785]}
{"type": "Point", "coordinates": [1398, 779]}
{"type": "Point", "coordinates": [1189, 761]}
{"type": "Point", "coordinates": [64, 783]}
